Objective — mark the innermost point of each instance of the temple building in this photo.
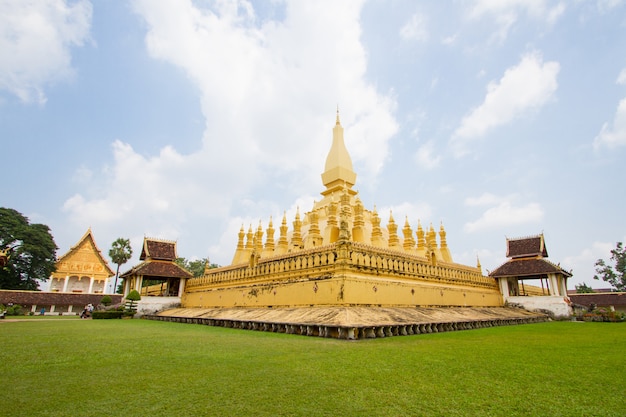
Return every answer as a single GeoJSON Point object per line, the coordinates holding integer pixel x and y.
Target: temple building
{"type": "Point", "coordinates": [528, 263]}
{"type": "Point", "coordinates": [336, 271]}
{"type": "Point", "coordinates": [82, 269]}
{"type": "Point", "coordinates": [158, 278]}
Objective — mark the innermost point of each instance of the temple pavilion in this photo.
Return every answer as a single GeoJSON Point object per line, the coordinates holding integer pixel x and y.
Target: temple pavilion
{"type": "Point", "coordinates": [336, 271]}
{"type": "Point", "coordinates": [82, 269]}
{"type": "Point", "coordinates": [530, 280]}
{"type": "Point", "coordinates": [158, 275]}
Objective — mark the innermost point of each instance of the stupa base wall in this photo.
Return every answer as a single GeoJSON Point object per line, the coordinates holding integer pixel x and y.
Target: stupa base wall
{"type": "Point", "coordinates": [346, 291]}
{"type": "Point", "coordinates": [352, 323]}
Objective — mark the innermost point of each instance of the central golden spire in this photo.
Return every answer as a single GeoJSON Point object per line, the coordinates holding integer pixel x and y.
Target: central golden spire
{"type": "Point", "coordinates": [338, 173]}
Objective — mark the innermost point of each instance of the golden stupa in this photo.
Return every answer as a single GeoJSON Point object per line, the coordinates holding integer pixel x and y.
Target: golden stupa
{"type": "Point", "coordinates": [337, 272]}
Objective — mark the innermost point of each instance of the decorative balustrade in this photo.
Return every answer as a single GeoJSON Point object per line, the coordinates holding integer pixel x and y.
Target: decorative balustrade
{"type": "Point", "coordinates": [323, 261]}
{"type": "Point", "coordinates": [311, 262]}
{"type": "Point", "coordinates": [399, 264]}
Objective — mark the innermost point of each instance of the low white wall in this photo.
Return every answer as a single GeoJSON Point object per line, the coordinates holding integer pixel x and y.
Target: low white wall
{"type": "Point", "coordinates": [558, 305]}
{"type": "Point", "coordinates": [151, 305]}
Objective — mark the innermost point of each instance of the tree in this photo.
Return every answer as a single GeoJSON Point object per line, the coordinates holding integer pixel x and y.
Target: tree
{"type": "Point", "coordinates": [583, 289]}
{"type": "Point", "coordinates": [120, 253]}
{"type": "Point", "coordinates": [616, 276]}
{"type": "Point", "coordinates": [30, 251]}
{"type": "Point", "coordinates": [195, 267]}
{"type": "Point", "coordinates": [106, 300]}
{"type": "Point", "coordinates": [132, 297]}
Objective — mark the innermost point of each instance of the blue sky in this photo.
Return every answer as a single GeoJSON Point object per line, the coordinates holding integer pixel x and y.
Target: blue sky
{"type": "Point", "coordinates": [184, 120]}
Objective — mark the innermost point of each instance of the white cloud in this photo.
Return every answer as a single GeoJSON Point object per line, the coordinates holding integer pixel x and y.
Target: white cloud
{"type": "Point", "coordinates": [613, 136]}
{"type": "Point", "coordinates": [450, 40]}
{"type": "Point", "coordinates": [605, 6]}
{"type": "Point", "coordinates": [502, 214]}
{"type": "Point", "coordinates": [253, 75]}
{"type": "Point", "coordinates": [425, 156]}
{"type": "Point", "coordinates": [621, 78]}
{"type": "Point", "coordinates": [483, 200]}
{"type": "Point", "coordinates": [507, 12]}
{"type": "Point", "coordinates": [415, 29]}
{"type": "Point", "coordinates": [35, 40]}
{"type": "Point", "coordinates": [400, 212]}
{"type": "Point", "coordinates": [524, 87]}
{"type": "Point", "coordinates": [268, 92]}
{"type": "Point", "coordinates": [582, 264]}
{"type": "Point", "coordinates": [157, 193]}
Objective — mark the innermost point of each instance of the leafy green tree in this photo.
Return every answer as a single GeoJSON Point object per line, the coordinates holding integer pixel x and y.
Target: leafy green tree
{"type": "Point", "coordinates": [616, 276]}
{"type": "Point", "coordinates": [132, 297]}
{"type": "Point", "coordinates": [195, 267]}
{"type": "Point", "coordinates": [106, 300]}
{"type": "Point", "coordinates": [583, 289]}
{"type": "Point", "coordinates": [30, 249]}
{"type": "Point", "coordinates": [120, 253]}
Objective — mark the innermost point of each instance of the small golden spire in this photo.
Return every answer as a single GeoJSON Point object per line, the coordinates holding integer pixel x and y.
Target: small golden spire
{"type": "Point", "coordinates": [338, 122]}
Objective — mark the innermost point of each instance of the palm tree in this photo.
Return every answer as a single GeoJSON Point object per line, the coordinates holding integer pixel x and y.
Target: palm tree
{"type": "Point", "coordinates": [120, 253]}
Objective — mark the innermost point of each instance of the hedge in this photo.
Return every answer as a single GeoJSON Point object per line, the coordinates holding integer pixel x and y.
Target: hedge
{"type": "Point", "coordinates": [108, 314]}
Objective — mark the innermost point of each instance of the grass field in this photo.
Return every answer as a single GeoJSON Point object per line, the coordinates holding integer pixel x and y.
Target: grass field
{"type": "Point", "coordinates": [147, 368]}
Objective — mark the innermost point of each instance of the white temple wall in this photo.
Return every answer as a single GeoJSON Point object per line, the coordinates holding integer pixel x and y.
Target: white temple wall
{"type": "Point", "coordinates": [558, 305]}
{"type": "Point", "coordinates": [151, 305]}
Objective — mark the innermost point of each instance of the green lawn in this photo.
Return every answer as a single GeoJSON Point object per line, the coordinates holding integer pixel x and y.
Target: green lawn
{"type": "Point", "coordinates": [148, 368]}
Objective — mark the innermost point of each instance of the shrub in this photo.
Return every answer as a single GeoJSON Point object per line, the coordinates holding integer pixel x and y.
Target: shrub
{"type": "Point", "coordinates": [106, 300]}
{"type": "Point", "coordinates": [132, 297]}
{"type": "Point", "coordinates": [107, 314]}
{"type": "Point", "coordinates": [604, 314]}
{"type": "Point", "coordinates": [14, 310]}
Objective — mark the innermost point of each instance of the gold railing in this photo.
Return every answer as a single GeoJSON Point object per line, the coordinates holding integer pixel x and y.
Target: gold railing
{"type": "Point", "coordinates": [324, 261]}
{"type": "Point", "coordinates": [400, 264]}
{"type": "Point", "coordinates": [302, 264]}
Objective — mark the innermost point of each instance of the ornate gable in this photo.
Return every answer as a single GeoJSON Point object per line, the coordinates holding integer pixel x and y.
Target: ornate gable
{"type": "Point", "coordinates": [158, 249]}
{"type": "Point", "coordinates": [83, 259]}
{"type": "Point", "coordinates": [532, 246]}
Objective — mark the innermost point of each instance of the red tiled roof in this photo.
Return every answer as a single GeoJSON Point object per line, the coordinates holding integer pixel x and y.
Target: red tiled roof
{"type": "Point", "coordinates": [603, 299]}
{"type": "Point", "coordinates": [158, 249]}
{"type": "Point", "coordinates": [50, 298]}
{"type": "Point", "coordinates": [527, 267]}
{"type": "Point", "coordinates": [528, 246]}
{"type": "Point", "coordinates": [158, 269]}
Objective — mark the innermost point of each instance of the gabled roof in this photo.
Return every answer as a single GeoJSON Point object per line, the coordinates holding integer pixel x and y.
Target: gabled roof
{"type": "Point", "coordinates": [527, 259]}
{"type": "Point", "coordinates": [89, 241]}
{"type": "Point", "coordinates": [160, 269]}
{"type": "Point", "coordinates": [158, 258]}
{"type": "Point", "coordinates": [526, 247]}
{"type": "Point", "coordinates": [158, 249]}
{"type": "Point", "coordinates": [527, 267]}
